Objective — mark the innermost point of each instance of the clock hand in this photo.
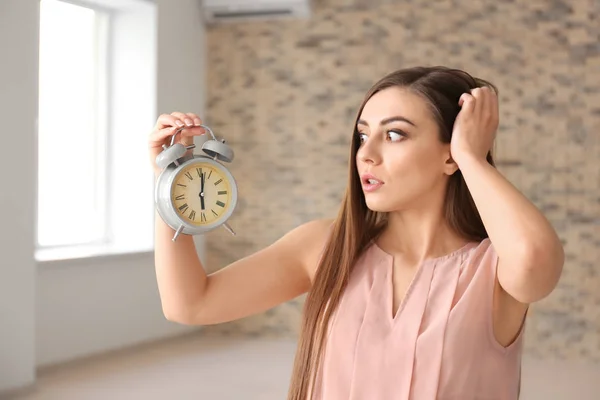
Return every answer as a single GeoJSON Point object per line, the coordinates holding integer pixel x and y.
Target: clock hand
{"type": "Point", "coordinates": [202, 191]}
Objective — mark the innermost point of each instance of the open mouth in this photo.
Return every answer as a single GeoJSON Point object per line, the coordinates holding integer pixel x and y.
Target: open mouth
{"type": "Point", "coordinates": [370, 183]}
{"type": "Point", "coordinates": [369, 179]}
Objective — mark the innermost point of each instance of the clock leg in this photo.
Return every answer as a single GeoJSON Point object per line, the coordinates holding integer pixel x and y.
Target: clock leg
{"type": "Point", "coordinates": [228, 228]}
{"type": "Point", "coordinates": [179, 230]}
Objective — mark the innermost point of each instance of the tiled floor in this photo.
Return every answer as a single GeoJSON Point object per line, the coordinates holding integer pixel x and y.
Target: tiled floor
{"type": "Point", "coordinates": [196, 367]}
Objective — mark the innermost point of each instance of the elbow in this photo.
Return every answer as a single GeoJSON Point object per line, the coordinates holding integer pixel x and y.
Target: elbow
{"type": "Point", "coordinates": [175, 316]}
{"type": "Point", "coordinates": [181, 316]}
{"type": "Point", "coordinates": [547, 260]}
{"type": "Point", "coordinates": [184, 310]}
{"type": "Point", "coordinates": [542, 270]}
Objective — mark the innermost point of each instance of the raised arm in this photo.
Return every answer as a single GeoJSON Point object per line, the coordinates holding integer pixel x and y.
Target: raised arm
{"type": "Point", "coordinates": [273, 275]}
{"type": "Point", "coordinates": [256, 283]}
{"type": "Point", "coordinates": [531, 255]}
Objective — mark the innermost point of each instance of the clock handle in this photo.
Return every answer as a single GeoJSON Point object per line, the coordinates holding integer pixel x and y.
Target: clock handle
{"type": "Point", "coordinates": [195, 126]}
{"type": "Point", "coordinates": [216, 149]}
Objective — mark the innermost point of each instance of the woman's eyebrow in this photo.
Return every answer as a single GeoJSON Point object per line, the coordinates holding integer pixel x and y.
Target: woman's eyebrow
{"type": "Point", "coordinates": [397, 118]}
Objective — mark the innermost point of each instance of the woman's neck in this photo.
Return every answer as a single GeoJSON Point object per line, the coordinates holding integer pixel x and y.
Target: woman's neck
{"type": "Point", "coordinates": [416, 235]}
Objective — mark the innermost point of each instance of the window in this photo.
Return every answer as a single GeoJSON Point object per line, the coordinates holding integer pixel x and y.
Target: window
{"type": "Point", "coordinates": [72, 132]}
{"type": "Point", "coordinates": [96, 75]}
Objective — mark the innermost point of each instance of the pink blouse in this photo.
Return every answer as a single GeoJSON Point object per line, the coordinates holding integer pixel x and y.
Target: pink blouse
{"type": "Point", "coordinates": [440, 344]}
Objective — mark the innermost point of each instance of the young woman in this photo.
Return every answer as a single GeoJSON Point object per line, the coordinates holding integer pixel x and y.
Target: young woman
{"type": "Point", "coordinates": [419, 288]}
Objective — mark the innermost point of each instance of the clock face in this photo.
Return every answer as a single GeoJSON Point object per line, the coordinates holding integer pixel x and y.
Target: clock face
{"type": "Point", "coordinates": [201, 193]}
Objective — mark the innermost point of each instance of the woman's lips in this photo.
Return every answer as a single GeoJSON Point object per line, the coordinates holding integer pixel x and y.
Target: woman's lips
{"type": "Point", "coordinates": [370, 183]}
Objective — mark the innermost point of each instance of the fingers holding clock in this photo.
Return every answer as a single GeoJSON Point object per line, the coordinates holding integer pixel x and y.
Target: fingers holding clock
{"type": "Point", "coordinates": [178, 120]}
{"type": "Point", "coordinates": [169, 121]}
{"type": "Point", "coordinates": [191, 122]}
{"type": "Point", "coordinates": [189, 119]}
{"type": "Point", "coordinates": [168, 124]}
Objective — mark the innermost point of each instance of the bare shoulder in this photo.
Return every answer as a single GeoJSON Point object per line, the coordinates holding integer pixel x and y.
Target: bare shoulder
{"type": "Point", "coordinates": [309, 240]}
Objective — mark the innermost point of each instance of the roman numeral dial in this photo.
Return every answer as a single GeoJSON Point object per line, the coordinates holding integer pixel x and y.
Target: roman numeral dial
{"type": "Point", "coordinates": [201, 193]}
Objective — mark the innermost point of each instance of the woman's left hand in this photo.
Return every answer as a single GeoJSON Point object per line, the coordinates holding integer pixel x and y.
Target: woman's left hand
{"type": "Point", "coordinates": [476, 124]}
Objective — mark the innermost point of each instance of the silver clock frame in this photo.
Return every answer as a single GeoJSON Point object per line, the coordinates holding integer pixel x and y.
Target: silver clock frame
{"type": "Point", "coordinates": [166, 208]}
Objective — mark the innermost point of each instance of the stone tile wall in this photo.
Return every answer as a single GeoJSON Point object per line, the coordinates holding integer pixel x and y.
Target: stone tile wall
{"type": "Point", "coordinates": [284, 94]}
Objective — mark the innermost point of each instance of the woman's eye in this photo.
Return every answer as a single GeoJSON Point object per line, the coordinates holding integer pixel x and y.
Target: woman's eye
{"type": "Point", "coordinates": [395, 136]}
{"type": "Point", "coordinates": [362, 137]}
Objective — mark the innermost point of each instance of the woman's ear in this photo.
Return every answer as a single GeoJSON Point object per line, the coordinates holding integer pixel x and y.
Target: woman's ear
{"type": "Point", "coordinates": [450, 166]}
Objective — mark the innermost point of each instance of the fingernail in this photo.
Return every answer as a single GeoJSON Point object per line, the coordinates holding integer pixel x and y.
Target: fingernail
{"type": "Point", "coordinates": [179, 123]}
{"type": "Point", "coordinates": [189, 122]}
{"type": "Point", "coordinates": [197, 121]}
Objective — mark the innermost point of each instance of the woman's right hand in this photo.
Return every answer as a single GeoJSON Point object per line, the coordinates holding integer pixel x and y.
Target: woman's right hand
{"type": "Point", "coordinates": [166, 126]}
{"type": "Point", "coordinates": [253, 284]}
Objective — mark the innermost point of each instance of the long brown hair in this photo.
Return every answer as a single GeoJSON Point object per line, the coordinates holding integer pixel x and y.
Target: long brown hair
{"type": "Point", "coordinates": [356, 226]}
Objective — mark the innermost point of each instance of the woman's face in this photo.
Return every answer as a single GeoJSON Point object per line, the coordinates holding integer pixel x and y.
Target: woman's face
{"type": "Point", "coordinates": [401, 161]}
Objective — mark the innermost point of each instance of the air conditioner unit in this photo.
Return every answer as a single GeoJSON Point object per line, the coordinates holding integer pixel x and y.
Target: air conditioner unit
{"type": "Point", "coordinates": [236, 10]}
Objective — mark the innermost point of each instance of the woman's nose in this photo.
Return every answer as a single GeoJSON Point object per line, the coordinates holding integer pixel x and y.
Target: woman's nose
{"type": "Point", "coordinates": [368, 153]}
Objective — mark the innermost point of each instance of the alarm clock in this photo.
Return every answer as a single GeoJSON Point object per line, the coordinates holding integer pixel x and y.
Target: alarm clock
{"type": "Point", "coordinates": [195, 193]}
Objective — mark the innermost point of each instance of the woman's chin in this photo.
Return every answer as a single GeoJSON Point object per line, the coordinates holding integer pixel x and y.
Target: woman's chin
{"type": "Point", "coordinates": [379, 206]}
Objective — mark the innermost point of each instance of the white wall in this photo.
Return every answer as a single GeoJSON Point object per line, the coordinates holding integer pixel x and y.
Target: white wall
{"type": "Point", "coordinates": [60, 310]}
{"type": "Point", "coordinates": [181, 48]}
{"type": "Point", "coordinates": [18, 113]}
